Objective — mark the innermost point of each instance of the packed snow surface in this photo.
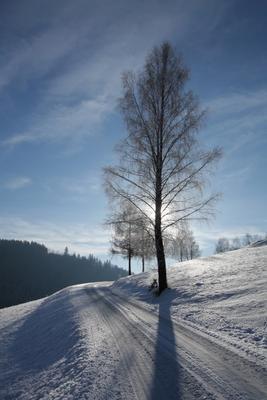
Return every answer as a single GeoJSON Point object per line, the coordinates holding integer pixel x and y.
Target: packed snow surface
{"type": "Point", "coordinates": [203, 338]}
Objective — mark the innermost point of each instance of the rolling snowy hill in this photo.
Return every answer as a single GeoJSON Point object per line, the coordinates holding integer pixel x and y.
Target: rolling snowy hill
{"type": "Point", "coordinates": [201, 339]}
{"type": "Point", "coordinates": [225, 294]}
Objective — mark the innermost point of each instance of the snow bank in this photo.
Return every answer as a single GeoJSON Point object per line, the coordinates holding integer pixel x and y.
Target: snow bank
{"type": "Point", "coordinates": [44, 348]}
{"type": "Point", "coordinates": [224, 295]}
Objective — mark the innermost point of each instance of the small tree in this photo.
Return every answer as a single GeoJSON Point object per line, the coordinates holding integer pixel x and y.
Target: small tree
{"type": "Point", "coordinates": [131, 237]}
{"type": "Point", "coordinates": [122, 244]}
{"type": "Point", "coordinates": [222, 245]}
{"type": "Point", "coordinates": [145, 245]}
{"type": "Point", "coordinates": [182, 244]}
{"type": "Point", "coordinates": [124, 224]}
{"type": "Point", "coordinates": [162, 168]}
{"type": "Point", "coordinates": [236, 244]}
{"type": "Point", "coordinates": [247, 240]}
{"type": "Point", "coordinates": [194, 250]}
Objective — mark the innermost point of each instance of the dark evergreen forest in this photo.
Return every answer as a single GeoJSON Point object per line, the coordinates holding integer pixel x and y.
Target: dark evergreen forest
{"type": "Point", "coordinates": [28, 271]}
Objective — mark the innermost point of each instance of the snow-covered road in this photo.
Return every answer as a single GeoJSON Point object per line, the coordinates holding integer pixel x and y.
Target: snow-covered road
{"type": "Point", "coordinates": [118, 342]}
{"type": "Point", "coordinates": [89, 343]}
{"type": "Point", "coordinates": [166, 360]}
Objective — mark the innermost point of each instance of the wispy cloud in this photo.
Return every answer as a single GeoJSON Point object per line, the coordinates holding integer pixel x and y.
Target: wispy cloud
{"type": "Point", "coordinates": [235, 103]}
{"type": "Point", "coordinates": [82, 239]}
{"type": "Point", "coordinates": [78, 70]}
{"type": "Point", "coordinates": [82, 186]}
{"type": "Point", "coordinates": [237, 120]}
{"type": "Point", "coordinates": [65, 122]}
{"type": "Point", "coordinates": [239, 174]}
{"type": "Point", "coordinates": [83, 189]}
{"type": "Point", "coordinates": [37, 55]}
{"type": "Point", "coordinates": [78, 238]}
{"type": "Point", "coordinates": [18, 183]}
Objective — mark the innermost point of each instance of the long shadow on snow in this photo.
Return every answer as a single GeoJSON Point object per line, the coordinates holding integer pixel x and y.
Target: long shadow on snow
{"type": "Point", "coordinates": [47, 335]}
{"type": "Point", "coordinates": [166, 372]}
{"type": "Point", "coordinates": [166, 378]}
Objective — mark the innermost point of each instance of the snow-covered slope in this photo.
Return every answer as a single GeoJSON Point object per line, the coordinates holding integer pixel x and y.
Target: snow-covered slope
{"type": "Point", "coordinates": [223, 294]}
{"type": "Point", "coordinates": [201, 339]}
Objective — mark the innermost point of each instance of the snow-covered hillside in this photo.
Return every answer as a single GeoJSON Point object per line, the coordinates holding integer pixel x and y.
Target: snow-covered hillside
{"type": "Point", "coordinates": [201, 339]}
{"type": "Point", "coordinates": [224, 294]}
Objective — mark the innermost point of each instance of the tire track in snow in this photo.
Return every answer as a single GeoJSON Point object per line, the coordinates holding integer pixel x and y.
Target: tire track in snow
{"type": "Point", "coordinates": [207, 369]}
{"type": "Point", "coordinates": [149, 380]}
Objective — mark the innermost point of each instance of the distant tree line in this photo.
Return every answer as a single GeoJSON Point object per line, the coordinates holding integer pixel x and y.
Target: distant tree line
{"type": "Point", "coordinates": [224, 244]}
{"type": "Point", "coordinates": [28, 271]}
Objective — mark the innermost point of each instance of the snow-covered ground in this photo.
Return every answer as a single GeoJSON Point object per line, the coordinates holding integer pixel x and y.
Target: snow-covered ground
{"type": "Point", "coordinates": [201, 339]}
{"type": "Point", "coordinates": [223, 295]}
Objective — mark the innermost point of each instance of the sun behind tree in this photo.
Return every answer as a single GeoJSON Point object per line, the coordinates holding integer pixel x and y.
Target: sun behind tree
{"type": "Point", "coordinates": [162, 167]}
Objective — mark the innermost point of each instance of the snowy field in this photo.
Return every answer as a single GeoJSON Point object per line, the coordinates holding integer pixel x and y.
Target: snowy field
{"type": "Point", "coordinates": [223, 295]}
{"type": "Point", "coordinates": [204, 338]}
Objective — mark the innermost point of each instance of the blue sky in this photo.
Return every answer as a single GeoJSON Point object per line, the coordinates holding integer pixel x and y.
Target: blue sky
{"type": "Point", "coordinates": [60, 70]}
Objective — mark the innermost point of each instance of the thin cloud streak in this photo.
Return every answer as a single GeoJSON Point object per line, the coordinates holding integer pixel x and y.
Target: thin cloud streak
{"type": "Point", "coordinates": [237, 120]}
{"type": "Point", "coordinates": [235, 103]}
{"type": "Point", "coordinates": [38, 55]}
{"type": "Point", "coordinates": [78, 238]}
{"type": "Point", "coordinates": [76, 102]}
{"type": "Point", "coordinates": [65, 122]}
{"type": "Point", "coordinates": [18, 183]}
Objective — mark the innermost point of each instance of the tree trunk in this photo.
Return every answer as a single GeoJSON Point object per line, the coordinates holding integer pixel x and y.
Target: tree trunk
{"type": "Point", "coordinates": [129, 262]}
{"type": "Point", "coordinates": [162, 275]}
{"type": "Point", "coordinates": [130, 249]}
{"type": "Point", "coordinates": [161, 260]}
{"type": "Point", "coordinates": [143, 250]}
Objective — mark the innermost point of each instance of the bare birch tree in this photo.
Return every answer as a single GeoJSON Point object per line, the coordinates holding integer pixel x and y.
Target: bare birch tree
{"type": "Point", "coordinates": [122, 242]}
{"type": "Point", "coordinates": [181, 243]}
{"type": "Point", "coordinates": [222, 245]}
{"type": "Point", "coordinates": [123, 222]}
{"type": "Point", "coordinates": [131, 237]}
{"type": "Point", "coordinates": [162, 169]}
{"type": "Point", "coordinates": [145, 245]}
